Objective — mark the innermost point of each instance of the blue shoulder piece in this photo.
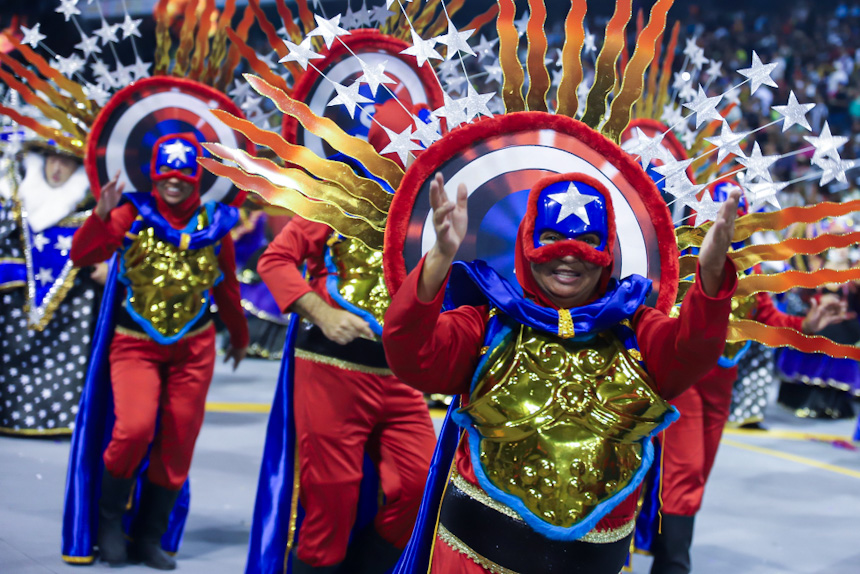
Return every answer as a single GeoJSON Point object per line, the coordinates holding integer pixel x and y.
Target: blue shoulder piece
{"type": "Point", "coordinates": [222, 218]}
{"type": "Point", "coordinates": [332, 288]}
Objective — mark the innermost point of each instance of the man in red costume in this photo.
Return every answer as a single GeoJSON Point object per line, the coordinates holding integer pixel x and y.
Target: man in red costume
{"type": "Point", "coordinates": [346, 401]}
{"type": "Point", "coordinates": [551, 465]}
{"type": "Point", "coordinates": [690, 445]}
{"type": "Point", "coordinates": [174, 252]}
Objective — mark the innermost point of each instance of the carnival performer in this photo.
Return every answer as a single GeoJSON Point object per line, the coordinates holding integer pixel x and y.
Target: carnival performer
{"type": "Point", "coordinates": [560, 386]}
{"type": "Point", "coordinates": [48, 308]}
{"type": "Point", "coordinates": [689, 447]}
{"type": "Point", "coordinates": [347, 404]}
{"type": "Point", "coordinates": [173, 252]}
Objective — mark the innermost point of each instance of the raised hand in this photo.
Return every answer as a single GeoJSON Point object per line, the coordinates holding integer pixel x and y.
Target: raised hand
{"type": "Point", "coordinates": [715, 247]}
{"type": "Point", "coordinates": [828, 311]}
{"type": "Point", "coordinates": [450, 219]}
{"type": "Point", "coordinates": [109, 198]}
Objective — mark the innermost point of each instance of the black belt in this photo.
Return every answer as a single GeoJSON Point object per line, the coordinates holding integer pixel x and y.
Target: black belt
{"type": "Point", "coordinates": [512, 544]}
{"type": "Point", "coordinates": [359, 351]}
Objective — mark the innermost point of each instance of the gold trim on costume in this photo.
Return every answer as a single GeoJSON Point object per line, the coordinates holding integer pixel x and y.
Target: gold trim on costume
{"type": "Point", "coordinates": [484, 350]}
{"type": "Point", "coordinates": [451, 471]}
{"type": "Point", "coordinates": [12, 260]}
{"type": "Point", "coordinates": [78, 559]}
{"type": "Point", "coordinates": [477, 494]}
{"type": "Point", "coordinates": [459, 546]}
{"type": "Point", "coordinates": [144, 337]}
{"type": "Point", "coordinates": [36, 432]}
{"type": "Point", "coordinates": [12, 285]}
{"type": "Point", "coordinates": [294, 508]}
{"type": "Point", "coordinates": [340, 363]}
{"type": "Point", "coordinates": [635, 355]}
{"type": "Point", "coordinates": [565, 324]}
{"type": "Point", "coordinates": [184, 241]}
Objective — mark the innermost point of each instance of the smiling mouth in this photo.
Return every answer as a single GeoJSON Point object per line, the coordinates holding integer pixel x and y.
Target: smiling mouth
{"type": "Point", "coordinates": [566, 275]}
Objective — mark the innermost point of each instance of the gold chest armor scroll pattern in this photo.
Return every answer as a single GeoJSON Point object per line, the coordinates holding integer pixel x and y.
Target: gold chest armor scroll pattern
{"type": "Point", "coordinates": [559, 421]}
{"type": "Point", "coordinates": [169, 284]}
{"type": "Point", "coordinates": [360, 280]}
{"type": "Point", "coordinates": [743, 308]}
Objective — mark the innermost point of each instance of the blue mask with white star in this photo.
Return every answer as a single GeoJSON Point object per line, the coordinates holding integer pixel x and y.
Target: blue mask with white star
{"type": "Point", "coordinates": [175, 154]}
{"type": "Point", "coordinates": [571, 209]}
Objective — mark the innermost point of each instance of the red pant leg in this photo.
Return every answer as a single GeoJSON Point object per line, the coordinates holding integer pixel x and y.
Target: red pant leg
{"type": "Point", "coordinates": [446, 560]}
{"type": "Point", "coordinates": [716, 404]}
{"type": "Point", "coordinates": [683, 456]}
{"type": "Point", "coordinates": [401, 447]}
{"type": "Point", "coordinates": [136, 384]}
{"type": "Point", "coordinates": [183, 403]}
{"type": "Point", "coordinates": [333, 418]}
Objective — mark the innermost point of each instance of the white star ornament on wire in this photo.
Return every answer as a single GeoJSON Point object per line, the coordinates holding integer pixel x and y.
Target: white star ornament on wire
{"type": "Point", "coordinates": [300, 53]}
{"type": "Point", "coordinates": [329, 29]}
{"type": "Point", "coordinates": [826, 145]}
{"type": "Point", "coordinates": [373, 76]}
{"type": "Point", "coordinates": [107, 33]}
{"type": "Point", "coordinates": [130, 27]}
{"type": "Point", "coordinates": [32, 36]}
{"type": "Point", "coordinates": [401, 143]}
{"type": "Point", "coordinates": [349, 97]}
{"type": "Point", "coordinates": [572, 203]}
{"type": "Point", "coordinates": [423, 50]}
{"type": "Point", "coordinates": [759, 74]}
{"type": "Point", "coordinates": [794, 113]}
{"type": "Point", "coordinates": [728, 142]}
{"type": "Point", "coordinates": [758, 165]}
{"type": "Point", "coordinates": [456, 41]}
{"type": "Point", "coordinates": [68, 8]}
{"type": "Point", "coordinates": [704, 107]}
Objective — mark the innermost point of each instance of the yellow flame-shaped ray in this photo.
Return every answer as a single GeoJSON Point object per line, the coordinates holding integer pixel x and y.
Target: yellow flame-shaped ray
{"type": "Point", "coordinates": [326, 169]}
{"type": "Point", "coordinates": [234, 56]}
{"type": "Point", "coordinates": [163, 42]}
{"type": "Point", "coordinates": [71, 145]}
{"type": "Point", "coordinates": [256, 64]}
{"type": "Point", "coordinates": [571, 56]}
{"type": "Point", "coordinates": [539, 81]}
{"type": "Point", "coordinates": [201, 43]}
{"type": "Point", "coordinates": [634, 74]}
{"type": "Point", "coordinates": [186, 41]}
{"type": "Point", "coordinates": [46, 108]}
{"type": "Point", "coordinates": [219, 43]}
{"type": "Point", "coordinates": [291, 27]}
{"type": "Point", "coordinates": [440, 25]}
{"type": "Point", "coordinates": [512, 70]}
{"type": "Point", "coordinates": [293, 178]}
{"type": "Point", "coordinates": [49, 71]}
{"type": "Point", "coordinates": [297, 203]}
{"type": "Point", "coordinates": [746, 330]}
{"type": "Point", "coordinates": [66, 104]}
{"type": "Point", "coordinates": [604, 74]}
{"type": "Point", "coordinates": [268, 29]}
{"type": "Point", "coordinates": [782, 282]}
{"type": "Point", "coordinates": [328, 130]}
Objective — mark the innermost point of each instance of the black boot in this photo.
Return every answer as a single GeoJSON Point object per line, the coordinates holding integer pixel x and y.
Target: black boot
{"type": "Point", "coordinates": [671, 547]}
{"type": "Point", "coordinates": [156, 504]}
{"type": "Point", "coordinates": [299, 567]}
{"type": "Point", "coordinates": [112, 505]}
{"type": "Point", "coordinates": [369, 553]}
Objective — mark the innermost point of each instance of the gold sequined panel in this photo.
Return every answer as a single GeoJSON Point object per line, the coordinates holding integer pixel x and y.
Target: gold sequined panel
{"type": "Point", "coordinates": [168, 284]}
{"type": "Point", "coordinates": [559, 420]}
{"type": "Point", "coordinates": [742, 308]}
{"type": "Point", "coordinates": [360, 280]}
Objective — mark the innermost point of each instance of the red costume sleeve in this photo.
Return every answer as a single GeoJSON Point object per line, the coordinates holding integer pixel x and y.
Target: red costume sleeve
{"type": "Point", "coordinates": [433, 352]}
{"type": "Point", "coordinates": [680, 351]}
{"type": "Point", "coordinates": [96, 240]}
{"type": "Point", "coordinates": [278, 266]}
{"type": "Point", "coordinates": [767, 313]}
{"type": "Point", "coordinates": [228, 297]}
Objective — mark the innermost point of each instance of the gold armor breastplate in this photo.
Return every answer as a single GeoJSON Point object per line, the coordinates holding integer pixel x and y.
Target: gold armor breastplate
{"type": "Point", "coordinates": [169, 285]}
{"type": "Point", "coordinates": [559, 419]}
{"type": "Point", "coordinates": [360, 280]}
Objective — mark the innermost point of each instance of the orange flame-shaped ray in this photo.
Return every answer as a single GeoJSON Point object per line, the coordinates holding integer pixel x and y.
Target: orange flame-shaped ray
{"type": "Point", "coordinates": [571, 56]}
{"type": "Point", "coordinates": [595, 103]}
{"type": "Point", "coordinates": [512, 70]}
{"type": "Point", "coordinates": [539, 81]}
{"type": "Point", "coordinates": [745, 330]}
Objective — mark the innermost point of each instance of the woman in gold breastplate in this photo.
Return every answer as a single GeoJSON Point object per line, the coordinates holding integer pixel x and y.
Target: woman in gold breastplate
{"type": "Point", "coordinates": [561, 389]}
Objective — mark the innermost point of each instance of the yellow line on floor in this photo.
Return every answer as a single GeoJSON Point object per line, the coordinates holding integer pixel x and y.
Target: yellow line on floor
{"type": "Point", "coordinates": [793, 458]}
{"type": "Point", "coordinates": [788, 435]}
{"type": "Point", "coordinates": [238, 407]}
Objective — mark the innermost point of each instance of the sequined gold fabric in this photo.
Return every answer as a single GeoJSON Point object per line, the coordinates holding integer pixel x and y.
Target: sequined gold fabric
{"type": "Point", "coordinates": [168, 284]}
{"type": "Point", "coordinates": [360, 280]}
{"type": "Point", "coordinates": [742, 308]}
{"type": "Point", "coordinates": [559, 420]}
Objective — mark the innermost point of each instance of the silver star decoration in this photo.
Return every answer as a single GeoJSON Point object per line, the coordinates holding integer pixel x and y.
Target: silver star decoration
{"type": "Point", "coordinates": [68, 66]}
{"type": "Point", "coordinates": [706, 209]}
{"type": "Point", "coordinates": [494, 73]}
{"type": "Point", "coordinates": [349, 19]}
{"type": "Point", "coordinates": [688, 138]}
{"type": "Point", "coordinates": [300, 53]}
{"type": "Point", "coordinates": [140, 69]}
{"type": "Point", "coordinates": [671, 115]}
{"type": "Point", "coordinates": [761, 193]}
{"type": "Point", "coordinates": [240, 90]}
{"type": "Point", "coordinates": [691, 48]}
{"type": "Point", "coordinates": [362, 17]}
{"type": "Point", "coordinates": [687, 93]}
{"type": "Point", "coordinates": [102, 72]}
{"type": "Point", "coordinates": [699, 59]}
{"type": "Point", "coordinates": [68, 8]}
{"type": "Point", "coordinates": [476, 104]}
{"type": "Point", "coordinates": [681, 79]}
{"type": "Point", "coordinates": [401, 143]}
{"type": "Point", "coordinates": [522, 24]}
{"type": "Point", "coordinates": [97, 94]}
{"type": "Point", "coordinates": [448, 68]}
{"type": "Point", "coordinates": [556, 77]}
{"type": "Point", "coordinates": [40, 241]}
{"type": "Point", "coordinates": [122, 75]}
{"type": "Point", "coordinates": [453, 111]}
{"type": "Point", "coordinates": [759, 74]}
{"type": "Point", "coordinates": [826, 145]}
{"type": "Point", "coordinates": [588, 43]}
{"type": "Point", "coordinates": [794, 113]}
{"type": "Point", "coordinates": [45, 276]}
{"type": "Point", "coordinates": [32, 36]}
{"type": "Point", "coordinates": [329, 29]}
{"type": "Point", "coordinates": [380, 15]}
{"type": "Point", "coordinates": [715, 69]}
{"type": "Point", "coordinates": [572, 203]}
{"type": "Point", "coordinates": [455, 84]}
{"type": "Point", "coordinates": [374, 76]}
{"type": "Point", "coordinates": [728, 142]}
{"type": "Point", "coordinates": [63, 244]}
{"type": "Point", "coordinates": [427, 132]}
{"type": "Point", "coordinates": [348, 97]}
{"type": "Point", "coordinates": [648, 149]}
{"type": "Point", "coordinates": [485, 48]}
{"type": "Point", "coordinates": [177, 152]}
{"type": "Point", "coordinates": [422, 49]}
{"type": "Point", "coordinates": [834, 169]}
{"type": "Point", "coordinates": [130, 27]}
{"type": "Point", "coordinates": [680, 187]}
{"type": "Point", "coordinates": [88, 45]}
{"type": "Point", "coordinates": [673, 167]}
{"type": "Point", "coordinates": [733, 96]}
{"type": "Point", "coordinates": [456, 41]}
{"type": "Point", "coordinates": [704, 107]}
{"type": "Point", "coordinates": [252, 106]}
{"type": "Point", "coordinates": [758, 165]}
{"type": "Point", "coordinates": [107, 33]}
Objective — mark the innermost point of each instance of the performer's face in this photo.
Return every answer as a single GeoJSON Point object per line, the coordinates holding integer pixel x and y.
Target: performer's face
{"type": "Point", "coordinates": [59, 168]}
{"type": "Point", "coordinates": [568, 281]}
{"type": "Point", "coordinates": [174, 190]}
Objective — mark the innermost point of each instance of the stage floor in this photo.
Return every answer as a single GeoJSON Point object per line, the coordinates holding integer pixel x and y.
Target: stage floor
{"type": "Point", "coordinates": [778, 502]}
